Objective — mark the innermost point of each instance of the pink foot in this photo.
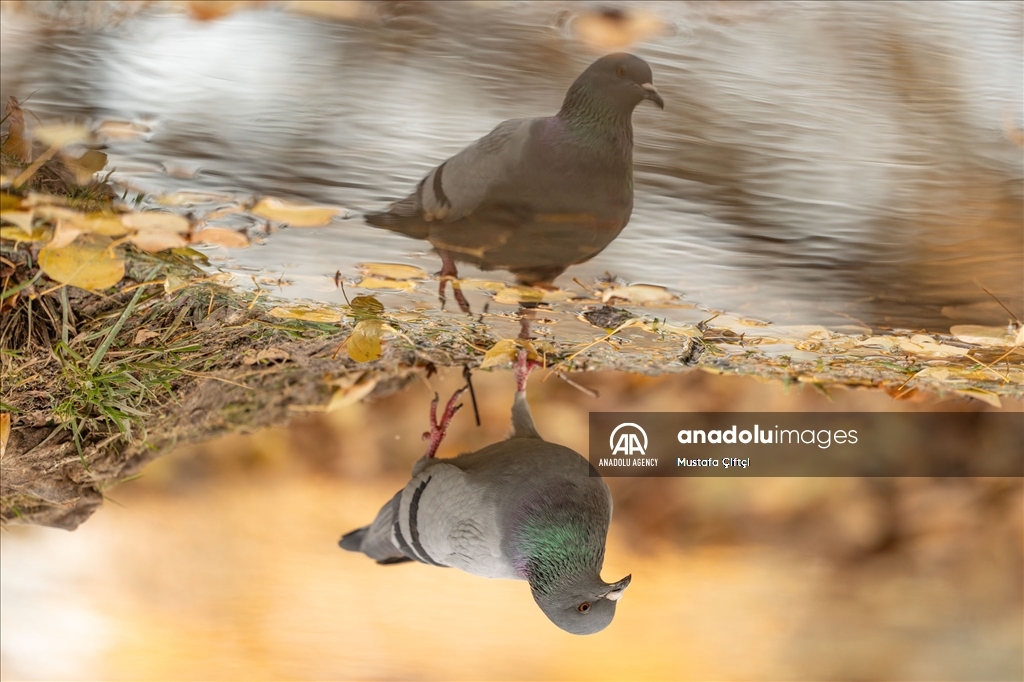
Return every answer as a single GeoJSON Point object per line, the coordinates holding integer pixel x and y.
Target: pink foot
{"type": "Point", "coordinates": [522, 368]}
{"type": "Point", "coordinates": [438, 430]}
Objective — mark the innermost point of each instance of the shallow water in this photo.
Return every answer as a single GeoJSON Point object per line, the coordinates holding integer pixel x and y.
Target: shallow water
{"type": "Point", "coordinates": [814, 164]}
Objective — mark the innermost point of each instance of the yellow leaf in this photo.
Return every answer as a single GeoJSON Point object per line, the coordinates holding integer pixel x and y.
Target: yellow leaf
{"type": "Point", "coordinates": [22, 219]}
{"type": "Point", "coordinates": [390, 284]}
{"type": "Point", "coordinates": [61, 134]}
{"type": "Point", "coordinates": [999, 337]}
{"type": "Point", "coordinates": [482, 285]}
{"type": "Point", "coordinates": [153, 240]}
{"type": "Point", "coordinates": [63, 235]}
{"type": "Point", "coordinates": [922, 344]}
{"type": "Point", "coordinates": [982, 395]}
{"type": "Point", "coordinates": [307, 314]}
{"type": "Point", "coordinates": [638, 293]}
{"type": "Point", "coordinates": [220, 236]}
{"type": "Point", "coordinates": [393, 271]}
{"type": "Point", "coordinates": [122, 130]}
{"type": "Point", "coordinates": [295, 215]}
{"type": "Point", "coordinates": [5, 432]}
{"type": "Point", "coordinates": [98, 223]}
{"type": "Point", "coordinates": [349, 395]}
{"type": "Point", "coordinates": [188, 199]}
{"type": "Point", "coordinates": [17, 234]}
{"type": "Point", "coordinates": [500, 353]}
{"type": "Point", "coordinates": [524, 294]}
{"type": "Point", "coordinates": [85, 166]}
{"type": "Point", "coordinates": [156, 220]}
{"type": "Point", "coordinates": [89, 264]}
{"type": "Point", "coordinates": [364, 343]}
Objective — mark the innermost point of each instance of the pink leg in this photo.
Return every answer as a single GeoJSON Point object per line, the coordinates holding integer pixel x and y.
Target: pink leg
{"type": "Point", "coordinates": [438, 430]}
{"type": "Point", "coordinates": [450, 272]}
{"type": "Point", "coordinates": [522, 368]}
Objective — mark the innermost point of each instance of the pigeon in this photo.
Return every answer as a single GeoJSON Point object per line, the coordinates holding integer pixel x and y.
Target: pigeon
{"type": "Point", "coordinates": [522, 509]}
{"type": "Point", "coordinates": [536, 195]}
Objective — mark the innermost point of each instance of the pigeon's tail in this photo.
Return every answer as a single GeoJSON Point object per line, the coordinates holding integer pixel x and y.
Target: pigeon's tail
{"type": "Point", "coordinates": [353, 540]}
{"type": "Point", "coordinates": [404, 217]}
{"type": "Point", "coordinates": [375, 540]}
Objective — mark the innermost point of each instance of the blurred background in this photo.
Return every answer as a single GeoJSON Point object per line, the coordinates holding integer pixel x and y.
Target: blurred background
{"type": "Point", "coordinates": [816, 162]}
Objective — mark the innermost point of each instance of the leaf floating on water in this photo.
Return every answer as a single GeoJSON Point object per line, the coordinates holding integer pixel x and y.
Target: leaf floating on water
{"type": "Point", "coordinates": [220, 236]}
{"type": "Point", "coordinates": [61, 134]}
{"type": "Point", "coordinates": [307, 314]}
{"type": "Point", "coordinates": [396, 271]}
{"type": "Point", "coordinates": [638, 293]}
{"type": "Point", "coordinates": [157, 220]}
{"type": "Point", "coordinates": [295, 215]}
{"type": "Point", "coordinates": [482, 285]}
{"type": "Point", "coordinates": [364, 343]}
{"type": "Point", "coordinates": [188, 199]}
{"type": "Point", "coordinates": [96, 223]}
{"type": "Point", "coordinates": [89, 264]}
{"type": "Point", "coordinates": [524, 294]}
{"type": "Point", "coordinates": [500, 353]}
{"type": "Point", "coordinates": [998, 337]}
{"type": "Point", "coordinates": [921, 344]}
{"type": "Point", "coordinates": [153, 240]}
{"type": "Point", "coordinates": [389, 284]}
{"type": "Point", "coordinates": [122, 130]}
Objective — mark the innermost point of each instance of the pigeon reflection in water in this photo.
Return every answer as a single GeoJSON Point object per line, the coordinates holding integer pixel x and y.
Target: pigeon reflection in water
{"type": "Point", "coordinates": [536, 195]}
{"type": "Point", "coordinates": [522, 509]}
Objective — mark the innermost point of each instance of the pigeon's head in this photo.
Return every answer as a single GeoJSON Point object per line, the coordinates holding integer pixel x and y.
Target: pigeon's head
{"type": "Point", "coordinates": [617, 82]}
{"type": "Point", "coordinates": [583, 608]}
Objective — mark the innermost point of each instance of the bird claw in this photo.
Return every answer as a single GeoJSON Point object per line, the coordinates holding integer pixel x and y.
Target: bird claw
{"type": "Point", "coordinates": [438, 429]}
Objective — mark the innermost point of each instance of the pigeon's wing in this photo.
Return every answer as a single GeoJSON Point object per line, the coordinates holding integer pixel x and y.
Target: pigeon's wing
{"type": "Point", "coordinates": [470, 179]}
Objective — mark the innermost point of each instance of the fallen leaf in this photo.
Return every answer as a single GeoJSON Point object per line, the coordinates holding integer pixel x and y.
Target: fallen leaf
{"type": "Point", "coordinates": [220, 236]}
{"type": "Point", "coordinates": [295, 215]}
{"type": "Point", "coordinates": [364, 343]}
{"type": "Point", "coordinates": [152, 240]}
{"type": "Point", "coordinates": [982, 395]}
{"type": "Point", "coordinates": [393, 271]}
{"type": "Point", "coordinates": [638, 293]}
{"type": "Point", "coordinates": [188, 199]}
{"type": "Point", "coordinates": [157, 220]}
{"type": "Point", "coordinates": [921, 344]}
{"type": "Point", "coordinates": [122, 130]}
{"type": "Point", "coordinates": [97, 223]}
{"type": "Point", "coordinates": [63, 235]}
{"type": "Point", "coordinates": [998, 337]}
{"type": "Point", "coordinates": [388, 284]}
{"type": "Point", "coordinates": [307, 314]}
{"type": "Point", "coordinates": [500, 353]}
{"type": "Point", "coordinates": [349, 395]}
{"type": "Point", "coordinates": [366, 307]}
{"type": "Point", "coordinates": [17, 234]}
{"type": "Point", "coordinates": [524, 294]}
{"type": "Point", "coordinates": [22, 219]}
{"type": "Point", "coordinates": [89, 264]}
{"type": "Point", "coordinates": [142, 336]}
{"type": "Point", "coordinates": [18, 144]}
{"type": "Point", "coordinates": [61, 134]}
{"type": "Point", "coordinates": [85, 166]}
{"type": "Point", "coordinates": [482, 285]}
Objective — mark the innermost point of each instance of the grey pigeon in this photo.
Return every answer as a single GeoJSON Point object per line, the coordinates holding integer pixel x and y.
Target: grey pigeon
{"type": "Point", "coordinates": [536, 195]}
{"type": "Point", "coordinates": [522, 509]}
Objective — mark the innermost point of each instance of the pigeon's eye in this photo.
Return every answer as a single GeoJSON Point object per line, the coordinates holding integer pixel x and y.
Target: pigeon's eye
{"type": "Point", "coordinates": [585, 606]}
{"type": "Point", "coordinates": [620, 71]}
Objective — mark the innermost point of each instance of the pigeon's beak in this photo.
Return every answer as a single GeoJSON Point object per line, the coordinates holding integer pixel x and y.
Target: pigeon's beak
{"type": "Point", "coordinates": [651, 93]}
{"type": "Point", "coordinates": [615, 593]}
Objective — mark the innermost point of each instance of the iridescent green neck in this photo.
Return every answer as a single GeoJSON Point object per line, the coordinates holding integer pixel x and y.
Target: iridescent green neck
{"type": "Point", "coordinates": [594, 121]}
{"type": "Point", "coordinates": [559, 549]}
